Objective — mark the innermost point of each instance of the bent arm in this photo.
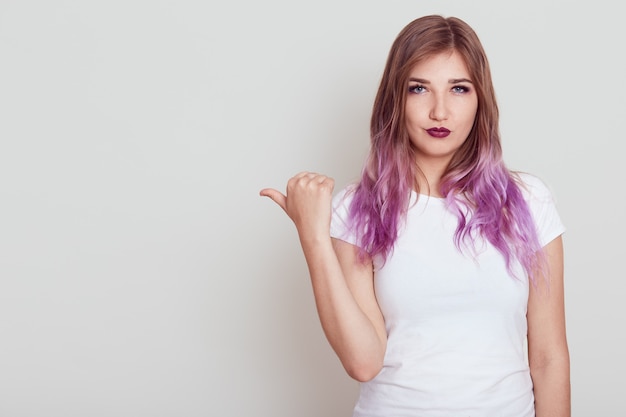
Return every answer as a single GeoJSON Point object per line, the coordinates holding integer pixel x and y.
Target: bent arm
{"type": "Point", "coordinates": [343, 286]}
{"type": "Point", "coordinates": [347, 307]}
{"type": "Point", "coordinates": [548, 353]}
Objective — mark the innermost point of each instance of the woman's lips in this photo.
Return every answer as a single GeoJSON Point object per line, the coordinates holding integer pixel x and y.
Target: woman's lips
{"type": "Point", "coordinates": [438, 132]}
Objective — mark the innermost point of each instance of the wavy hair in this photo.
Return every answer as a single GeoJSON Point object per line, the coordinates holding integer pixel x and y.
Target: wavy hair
{"type": "Point", "coordinates": [484, 195]}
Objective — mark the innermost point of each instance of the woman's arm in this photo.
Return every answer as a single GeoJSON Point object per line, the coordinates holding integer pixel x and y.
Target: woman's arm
{"type": "Point", "coordinates": [342, 285]}
{"type": "Point", "coordinates": [547, 343]}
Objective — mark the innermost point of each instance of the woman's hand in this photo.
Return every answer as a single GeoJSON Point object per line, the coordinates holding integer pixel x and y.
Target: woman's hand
{"type": "Point", "coordinates": [307, 202]}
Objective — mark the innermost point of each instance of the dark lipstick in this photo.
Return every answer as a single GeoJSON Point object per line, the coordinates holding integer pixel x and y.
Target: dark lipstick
{"type": "Point", "coordinates": [438, 132]}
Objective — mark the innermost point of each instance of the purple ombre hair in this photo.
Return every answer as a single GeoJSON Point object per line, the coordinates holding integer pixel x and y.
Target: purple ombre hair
{"type": "Point", "coordinates": [478, 187]}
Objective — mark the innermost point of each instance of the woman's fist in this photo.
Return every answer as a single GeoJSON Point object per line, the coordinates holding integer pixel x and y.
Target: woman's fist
{"type": "Point", "coordinates": [307, 202]}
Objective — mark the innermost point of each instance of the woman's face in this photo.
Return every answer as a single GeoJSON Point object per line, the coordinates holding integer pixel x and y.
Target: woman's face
{"type": "Point", "coordinates": [440, 109]}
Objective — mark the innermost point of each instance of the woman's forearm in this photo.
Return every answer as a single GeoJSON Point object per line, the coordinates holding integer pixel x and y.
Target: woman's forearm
{"type": "Point", "coordinates": [351, 333]}
{"type": "Point", "coordinates": [551, 381]}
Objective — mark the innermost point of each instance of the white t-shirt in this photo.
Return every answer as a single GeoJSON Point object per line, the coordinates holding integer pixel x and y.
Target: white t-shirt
{"type": "Point", "coordinates": [456, 324]}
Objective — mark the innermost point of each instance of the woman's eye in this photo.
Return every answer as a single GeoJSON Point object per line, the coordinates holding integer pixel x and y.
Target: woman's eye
{"type": "Point", "coordinates": [459, 89]}
{"type": "Point", "coordinates": [417, 89]}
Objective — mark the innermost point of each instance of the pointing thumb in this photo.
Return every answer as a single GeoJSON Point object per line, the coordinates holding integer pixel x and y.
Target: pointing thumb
{"type": "Point", "coordinates": [278, 197]}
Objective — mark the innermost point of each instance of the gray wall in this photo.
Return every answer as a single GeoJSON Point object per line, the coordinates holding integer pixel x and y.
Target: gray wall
{"type": "Point", "coordinates": [140, 272]}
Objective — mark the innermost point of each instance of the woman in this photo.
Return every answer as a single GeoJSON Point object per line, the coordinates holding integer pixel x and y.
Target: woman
{"type": "Point", "coordinates": [437, 270]}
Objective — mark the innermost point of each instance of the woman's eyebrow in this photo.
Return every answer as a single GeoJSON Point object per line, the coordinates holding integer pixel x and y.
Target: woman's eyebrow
{"type": "Point", "coordinates": [459, 80]}
{"type": "Point", "coordinates": [450, 81]}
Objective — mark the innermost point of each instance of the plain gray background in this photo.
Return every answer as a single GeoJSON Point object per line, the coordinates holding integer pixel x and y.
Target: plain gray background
{"type": "Point", "coordinates": [140, 272]}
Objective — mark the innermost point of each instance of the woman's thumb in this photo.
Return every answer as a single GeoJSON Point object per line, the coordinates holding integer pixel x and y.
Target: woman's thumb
{"type": "Point", "coordinates": [278, 197]}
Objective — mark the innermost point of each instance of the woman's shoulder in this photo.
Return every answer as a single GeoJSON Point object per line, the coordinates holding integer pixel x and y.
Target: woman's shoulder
{"type": "Point", "coordinates": [542, 205]}
{"type": "Point", "coordinates": [343, 196]}
{"type": "Point", "coordinates": [340, 224]}
{"type": "Point", "coordinates": [533, 187]}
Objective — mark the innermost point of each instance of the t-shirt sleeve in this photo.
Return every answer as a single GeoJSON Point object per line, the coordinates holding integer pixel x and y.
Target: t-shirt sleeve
{"type": "Point", "coordinates": [339, 222]}
{"type": "Point", "coordinates": [543, 209]}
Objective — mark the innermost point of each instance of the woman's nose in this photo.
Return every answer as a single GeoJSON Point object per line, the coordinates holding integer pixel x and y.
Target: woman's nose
{"type": "Point", "coordinates": [439, 109]}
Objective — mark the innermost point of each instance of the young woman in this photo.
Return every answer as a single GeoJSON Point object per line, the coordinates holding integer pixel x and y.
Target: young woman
{"type": "Point", "coordinates": [438, 277]}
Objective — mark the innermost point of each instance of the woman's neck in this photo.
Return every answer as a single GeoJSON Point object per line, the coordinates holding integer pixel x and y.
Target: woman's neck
{"type": "Point", "coordinates": [429, 178]}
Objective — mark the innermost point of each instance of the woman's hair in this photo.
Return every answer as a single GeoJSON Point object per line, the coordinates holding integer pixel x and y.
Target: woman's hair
{"type": "Point", "coordinates": [477, 186]}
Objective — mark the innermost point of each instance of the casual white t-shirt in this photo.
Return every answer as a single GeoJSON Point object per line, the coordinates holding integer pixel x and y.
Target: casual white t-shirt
{"type": "Point", "coordinates": [456, 322]}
